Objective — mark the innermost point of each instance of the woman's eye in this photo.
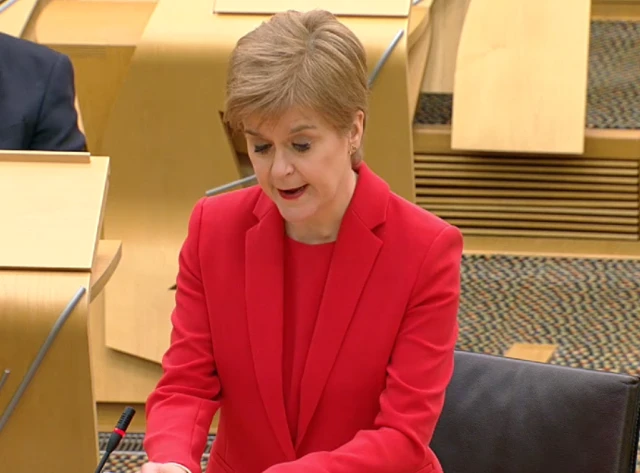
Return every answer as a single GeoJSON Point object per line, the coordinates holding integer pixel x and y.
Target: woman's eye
{"type": "Point", "coordinates": [301, 147]}
{"type": "Point", "coordinates": [261, 149]}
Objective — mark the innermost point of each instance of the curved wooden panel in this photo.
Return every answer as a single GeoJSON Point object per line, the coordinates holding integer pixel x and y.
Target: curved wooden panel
{"type": "Point", "coordinates": [397, 8]}
{"type": "Point", "coordinates": [447, 19]}
{"type": "Point", "coordinates": [388, 144]}
{"type": "Point", "coordinates": [53, 426]}
{"type": "Point", "coordinates": [15, 15]}
{"type": "Point", "coordinates": [108, 256]}
{"type": "Point", "coordinates": [521, 77]}
{"type": "Point", "coordinates": [172, 97]}
{"type": "Point", "coordinates": [118, 377]}
{"type": "Point", "coordinates": [100, 37]}
{"type": "Point", "coordinates": [419, 44]}
{"type": "Point", "coordinates": [167, 145]}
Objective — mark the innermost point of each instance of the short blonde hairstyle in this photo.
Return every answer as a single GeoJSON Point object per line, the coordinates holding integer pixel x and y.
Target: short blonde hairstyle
{"type": "Point", "coordinates": [308, 60]}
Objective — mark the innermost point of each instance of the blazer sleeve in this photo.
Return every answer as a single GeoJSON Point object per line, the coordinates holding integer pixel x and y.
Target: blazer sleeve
{"type": "Point", "coordinates": [57, 123]}
{"type": "Point", "coordinates": [181, 408]}
{"type": "Point", "coordinates": [418, 374]}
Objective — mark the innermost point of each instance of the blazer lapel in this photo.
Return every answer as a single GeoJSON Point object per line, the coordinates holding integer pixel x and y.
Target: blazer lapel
{"type": "Point", "coordinates": [264, 294]}
{"type": "Point", "coordinates": [354, 256]}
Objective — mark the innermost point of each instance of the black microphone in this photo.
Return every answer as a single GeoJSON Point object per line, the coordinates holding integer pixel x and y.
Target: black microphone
{"type": "Point", "coordinates": [118, 434]}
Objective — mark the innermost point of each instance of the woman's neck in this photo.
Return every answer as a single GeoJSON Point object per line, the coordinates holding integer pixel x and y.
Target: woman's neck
{"type": "Point", "coordinates": [324, 228]}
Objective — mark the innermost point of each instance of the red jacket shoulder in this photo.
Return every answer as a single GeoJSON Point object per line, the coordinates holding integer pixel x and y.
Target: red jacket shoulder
{"type": "Point", "coordinates": [229, 209]}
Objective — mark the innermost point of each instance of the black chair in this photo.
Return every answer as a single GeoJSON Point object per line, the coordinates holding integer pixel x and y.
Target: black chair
{"type": "Point", "coordinates": [503, 415]}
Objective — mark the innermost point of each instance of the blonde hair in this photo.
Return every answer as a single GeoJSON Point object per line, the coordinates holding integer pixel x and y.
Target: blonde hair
{"type": "Point", "coordinates": [308, 60]}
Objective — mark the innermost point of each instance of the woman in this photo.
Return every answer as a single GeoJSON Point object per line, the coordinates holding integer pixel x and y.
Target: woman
{"type": "Point", "coordinates": [318, 309]}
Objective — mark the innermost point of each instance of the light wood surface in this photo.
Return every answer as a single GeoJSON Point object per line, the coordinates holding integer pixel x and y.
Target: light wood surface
{"type": "Point", "coordinates": [447, 19]}
{"type": "Point", "coordinates": [92, 23]}
{"type": "Point", "coordinates": [419, 44]}
{"type": "Point", "coordinates": [108, 256]}
{"type": "Point", "coordinates": [521, 77]}
{"type": "Point", "coordinates": [13, 156]}
{"type": "Point", "coordinates": [616, 10]}
{"type": "Point", "coordinates": [57, 412]}
{"type": "Point", "coordinates": [539, 352]}
{"type": "Point", "coordinates": [595, 195]}
{"type": "Point", "coordinates": [14, 19]}
{"type": "Point", "coordinates": [100, 38]}
{"type": "Point", "coordinates": [556, 196]}
{"type": "Point", "coordinates": [49, 211]}
{"type": "Point", "coordinates": [598, 144]}
{"type": "Point", "coordinates": [385, 8]}
{"type": "Point", "coordinates": [53, 205]}
{"type": "Point", "coordinates": [419, 18]}
{"type": "Point", "coordinates": [104, 23]}
{"type": "Point", "coordinates": [118, 377]}
{"type": "Point", "coordinates": [133, 52]}
{"type": "Point", "coordinates": [151, 197]}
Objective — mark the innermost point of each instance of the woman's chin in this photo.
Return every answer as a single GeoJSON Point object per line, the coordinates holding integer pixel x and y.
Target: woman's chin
{"type": "Point", "coordinates": [295, 215]}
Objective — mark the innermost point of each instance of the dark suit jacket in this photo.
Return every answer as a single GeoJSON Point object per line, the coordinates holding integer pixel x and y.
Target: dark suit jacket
{"type": "Point", "coordinates": [37, 94]}
{"type": "Point", "coordinates": [380, 358]}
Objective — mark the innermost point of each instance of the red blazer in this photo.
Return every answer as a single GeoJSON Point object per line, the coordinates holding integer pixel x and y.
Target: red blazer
{"type": "Point", "coordinates": [379, 361]}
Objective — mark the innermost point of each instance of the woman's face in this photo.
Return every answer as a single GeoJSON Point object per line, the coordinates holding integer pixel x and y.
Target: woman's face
{"type": "Point", "coordinates": [303, 164]}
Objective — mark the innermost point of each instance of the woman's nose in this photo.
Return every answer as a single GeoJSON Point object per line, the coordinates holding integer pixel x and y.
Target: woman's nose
{"type": "Point", "coordinates": [281, 165]}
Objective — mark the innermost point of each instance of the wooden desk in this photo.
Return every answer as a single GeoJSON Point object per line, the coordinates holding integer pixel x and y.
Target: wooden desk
{"type": "Point", "coordinates": [108, 256]}
{"type": "Point", "coordinates": [51, 266]}
{"type": "Point", "coordinates": [133, 53]}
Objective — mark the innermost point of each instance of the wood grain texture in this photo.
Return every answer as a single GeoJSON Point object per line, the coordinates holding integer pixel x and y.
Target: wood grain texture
{"type": "Point", "coordinates": [57, 412]}
{"type": "Point", "coordinates": [521, 77]}
{"type": "Point", "coordinates": [134, 53]}
{"type": "Point", "coordinates": [14, 19]}
{"type": "Point", "coordinates": [108, 256]}
{"type": "Point", "coordinates": [447, 19]}
{"type": "Point", "coordinates": [118, 377]}
{"type": "Point", "coordinates": [12, 156]}
{"type": "Point", "coordinates": [152, 196]}
{"type": "Point", "coordinates": [100, 37]}
{"type": "Point", "coordinates": [525, 195]}
{"type": "Point", "coordinates": [52, 212]}
{"type": "Point", "coordinates": [539, 352]}
{"type": "Point", "coordinates": [598, 144]}
{"type": "Point", "coordinates": [616, 10]}
{"type": "Point", "coordinates": [384, 8]}
{"type": "Point", "coordinates": [419, 44]}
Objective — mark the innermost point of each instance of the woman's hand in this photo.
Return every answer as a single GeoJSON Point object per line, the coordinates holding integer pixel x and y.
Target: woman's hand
{"type": "Point", "coordinates": [162, 468]}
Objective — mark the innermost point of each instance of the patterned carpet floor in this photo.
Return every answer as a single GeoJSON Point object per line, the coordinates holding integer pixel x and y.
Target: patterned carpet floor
{"type": "Point", "coordinates": [613, 93]}
{"type": "Point", "coordinates": [590, 308]}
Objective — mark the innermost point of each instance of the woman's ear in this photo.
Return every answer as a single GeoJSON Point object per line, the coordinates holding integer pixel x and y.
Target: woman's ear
{"type": "Point", "coordinates": [357, 129]}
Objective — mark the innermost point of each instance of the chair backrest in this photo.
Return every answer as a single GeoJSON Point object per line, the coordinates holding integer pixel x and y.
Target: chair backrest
{"type": "Point", "coordinates": [503, 415]}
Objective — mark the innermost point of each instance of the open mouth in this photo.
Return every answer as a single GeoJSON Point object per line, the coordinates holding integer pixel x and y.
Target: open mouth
{"type": "Point", "coordinates": [292, 193]}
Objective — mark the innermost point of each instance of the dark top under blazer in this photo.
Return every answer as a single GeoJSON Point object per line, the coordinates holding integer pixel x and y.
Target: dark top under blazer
{"type": "Point", "coordinates": [37, 94]}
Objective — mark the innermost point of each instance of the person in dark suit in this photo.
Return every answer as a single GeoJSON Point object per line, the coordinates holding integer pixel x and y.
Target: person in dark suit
{"type": "Point", "coordinates": [37, 98]}
{"type": "Point", "coordinates": [318, 309]}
